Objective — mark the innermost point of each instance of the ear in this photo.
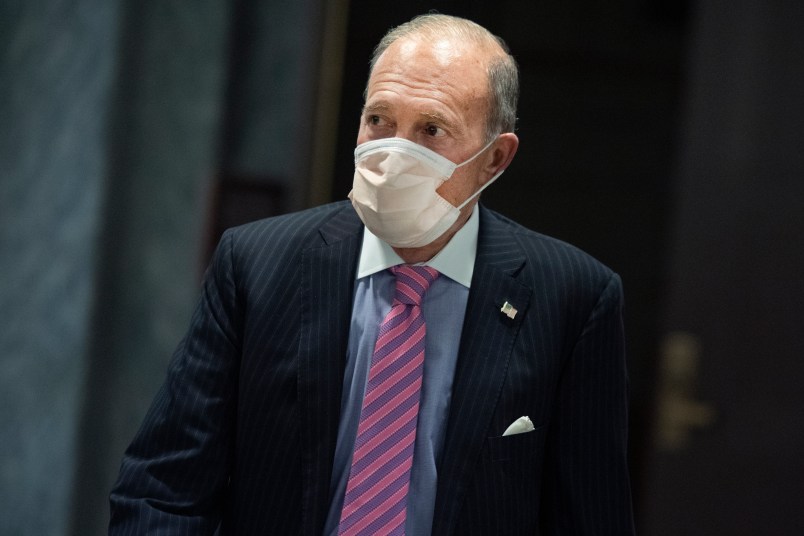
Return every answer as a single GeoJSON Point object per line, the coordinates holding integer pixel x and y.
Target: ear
{"type": "Point", "coordinates": [501, 155]}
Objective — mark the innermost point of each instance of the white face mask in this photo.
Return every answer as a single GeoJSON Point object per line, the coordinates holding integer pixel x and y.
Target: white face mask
{"type": "Point", "coordinates": [394, 191]}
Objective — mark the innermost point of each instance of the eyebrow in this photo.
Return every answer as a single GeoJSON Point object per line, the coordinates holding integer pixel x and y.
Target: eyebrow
{"type": "Point", "coordinates": [439, 118]}
{"type": "Point", "coordinates": [380, 106]}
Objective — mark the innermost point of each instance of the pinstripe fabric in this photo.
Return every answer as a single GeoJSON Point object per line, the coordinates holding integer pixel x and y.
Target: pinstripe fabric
{"type": "Point", "coordinates": [561, 362]}
{"type": "Point", "coordinates": [243, 429]}
{"type": "Point", "coordinates": [242, 434]}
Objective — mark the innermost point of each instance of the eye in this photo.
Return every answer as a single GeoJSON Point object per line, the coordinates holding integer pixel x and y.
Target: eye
{"type": "Point", "coordinates": [376, 120]}
{"type": "Point", "coordinates": [434, 131]}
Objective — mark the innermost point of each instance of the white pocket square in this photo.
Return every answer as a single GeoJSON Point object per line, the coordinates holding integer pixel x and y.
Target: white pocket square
{"type": "Point", "coordinates": [519, 426]}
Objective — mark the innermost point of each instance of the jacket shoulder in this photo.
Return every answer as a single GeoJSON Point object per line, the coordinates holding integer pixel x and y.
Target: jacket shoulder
{"type": "Point", "coordinates": [566, 267]}
{"type": "Point", "coordinates": [294, 225]}
{"type": "Point", "coordinates": [279, 242]}
{"type": "Point", "coordinates": [541, 245]}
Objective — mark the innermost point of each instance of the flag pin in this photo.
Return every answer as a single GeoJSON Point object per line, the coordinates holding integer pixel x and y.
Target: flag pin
{"type": "Point", "coordinates": [508, 310]}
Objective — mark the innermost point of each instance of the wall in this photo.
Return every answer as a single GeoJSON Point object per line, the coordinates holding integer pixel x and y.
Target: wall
{"type": "Point", "coordinates": [161, 151]}
{"type": "Point", "coordinates": [118, 118]}
{"type": "Point", "coordinates": [727, 460]}
{"type": "Point", "coordinates": [56, 75]}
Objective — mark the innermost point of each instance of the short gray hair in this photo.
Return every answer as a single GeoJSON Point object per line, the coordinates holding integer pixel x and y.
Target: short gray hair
{"type": "Point", "coordinates": [502, 71]}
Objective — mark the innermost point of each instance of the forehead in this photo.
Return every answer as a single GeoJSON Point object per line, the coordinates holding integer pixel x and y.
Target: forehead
{"type": "Point", "coordinates": [441, 71]}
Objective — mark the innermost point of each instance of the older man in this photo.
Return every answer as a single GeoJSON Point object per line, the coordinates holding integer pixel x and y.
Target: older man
{"type": "Point", "coordinates": [407, 363]}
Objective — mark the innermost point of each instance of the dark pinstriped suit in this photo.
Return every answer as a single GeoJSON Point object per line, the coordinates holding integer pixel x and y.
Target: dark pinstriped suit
{"type": "Point", "coordinates": [244, 428]}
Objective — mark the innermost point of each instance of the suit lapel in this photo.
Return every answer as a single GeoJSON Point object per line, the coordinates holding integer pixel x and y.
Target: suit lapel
{"type": "Point", "coordinates": [327, 289]}
{"type": "Point", "coordinates": [486, 344]}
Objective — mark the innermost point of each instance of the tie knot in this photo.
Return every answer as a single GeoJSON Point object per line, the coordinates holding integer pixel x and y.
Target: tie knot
{"type": "Point", "coordinates": [412, 282]}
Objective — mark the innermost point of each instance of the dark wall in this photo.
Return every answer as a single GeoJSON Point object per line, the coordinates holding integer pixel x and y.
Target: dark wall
{"type": "Point", "coordinates": [731, 434]}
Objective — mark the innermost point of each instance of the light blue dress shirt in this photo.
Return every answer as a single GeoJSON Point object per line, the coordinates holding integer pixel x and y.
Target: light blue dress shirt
{"type": "Point", "coordinates": [444, 308]}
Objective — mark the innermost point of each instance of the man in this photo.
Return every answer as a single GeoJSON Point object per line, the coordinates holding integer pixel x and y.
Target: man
{"type": "Point", "coordinates": [358, 367]}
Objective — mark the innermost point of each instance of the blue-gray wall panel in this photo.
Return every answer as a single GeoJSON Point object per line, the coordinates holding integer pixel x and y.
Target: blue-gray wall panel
{"type": "Point", "coordinates": [55, 75]}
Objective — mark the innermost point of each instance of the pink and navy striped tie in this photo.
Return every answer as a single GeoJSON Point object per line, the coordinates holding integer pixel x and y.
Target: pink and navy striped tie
{"type": "Point", "coordinates": [376, 494]}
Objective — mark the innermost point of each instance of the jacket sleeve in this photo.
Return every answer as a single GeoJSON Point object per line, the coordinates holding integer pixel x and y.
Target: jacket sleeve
{"type": "Point", "coordinates": [586, 486]}
{"type": "Point", "coordinates": [175, 472]}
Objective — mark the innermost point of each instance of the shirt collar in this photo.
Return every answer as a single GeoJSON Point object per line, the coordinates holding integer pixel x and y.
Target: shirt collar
{"type": "Point", "coordinates": [456, 260]}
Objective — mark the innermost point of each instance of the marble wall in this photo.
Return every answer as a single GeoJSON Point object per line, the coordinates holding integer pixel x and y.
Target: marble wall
{"type": "Point", "coordinates": [115, 116]}
{"type": "Point", "coordinates": [162, 141]}
{"type": "Point", "coordinates": [56, 74]}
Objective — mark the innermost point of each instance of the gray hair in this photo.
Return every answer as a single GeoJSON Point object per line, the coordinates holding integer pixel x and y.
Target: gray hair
{"type": "Point", "coordinates": [502, 70]}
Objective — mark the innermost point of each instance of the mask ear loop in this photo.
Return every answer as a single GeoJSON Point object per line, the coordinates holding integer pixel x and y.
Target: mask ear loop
{"type": "Point", "coordinates": [477, 193]}
{"type": "Point", "coordinates": [488, 182]}
{"type": "Point", "coordinates": [477, 153]}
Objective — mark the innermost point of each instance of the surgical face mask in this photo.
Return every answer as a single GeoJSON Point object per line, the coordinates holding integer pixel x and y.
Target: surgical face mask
{"type": "Point", "coordinates": [394, 191]}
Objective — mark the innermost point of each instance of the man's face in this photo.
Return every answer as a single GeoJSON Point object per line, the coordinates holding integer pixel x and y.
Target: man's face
{"type": "Point", "coordinates": [433, 94]}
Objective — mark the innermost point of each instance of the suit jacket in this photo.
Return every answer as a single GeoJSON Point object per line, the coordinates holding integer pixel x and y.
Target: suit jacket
{"type": "Point", "coordinates": [242, 434]}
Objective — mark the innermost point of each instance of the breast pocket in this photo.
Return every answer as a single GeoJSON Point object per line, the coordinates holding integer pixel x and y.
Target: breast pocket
{"type": "Point", "coordinates": [506, 485]}
{"type": "Point", "coordinates": [523, 447]}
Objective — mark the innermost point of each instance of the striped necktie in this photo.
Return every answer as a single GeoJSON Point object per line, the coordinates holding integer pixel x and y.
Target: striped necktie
{"type": "Point", "coordinates": [376, 493]}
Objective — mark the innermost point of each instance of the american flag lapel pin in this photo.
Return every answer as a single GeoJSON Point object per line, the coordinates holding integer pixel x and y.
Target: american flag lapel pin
{"type": "Point", "coordinates": [508, 310]}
